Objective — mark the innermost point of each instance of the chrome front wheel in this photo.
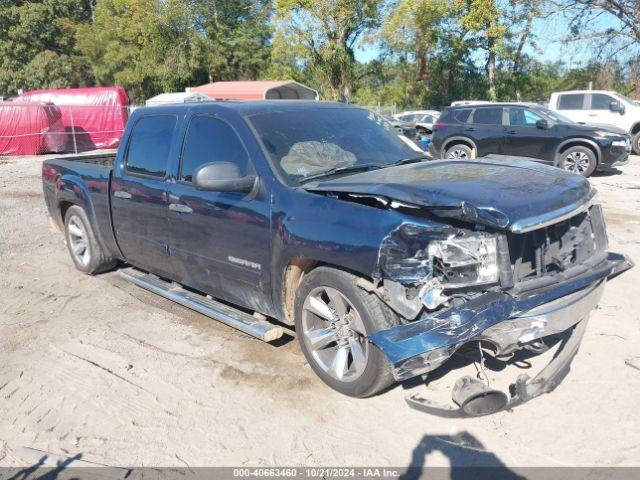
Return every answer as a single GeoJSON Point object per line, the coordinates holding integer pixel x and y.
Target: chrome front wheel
{"type": "Point", "coordinates": [333, 318]}
{"type": "Point", "coordinates": [335, 334]}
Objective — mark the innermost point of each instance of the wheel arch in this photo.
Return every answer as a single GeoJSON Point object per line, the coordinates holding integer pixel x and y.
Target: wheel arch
{"type": "Point", "coordinates": [579, 142]}
{"type": "Point", "coordinates": [635, 128]}
{"type": "Point", "coordinates": [294, 272]}
{"type": "Point", "coordinates": [64, 206]}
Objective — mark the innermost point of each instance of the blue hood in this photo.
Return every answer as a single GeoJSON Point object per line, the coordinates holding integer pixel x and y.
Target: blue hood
{"type": "Point", "coordinates": [495, 193]}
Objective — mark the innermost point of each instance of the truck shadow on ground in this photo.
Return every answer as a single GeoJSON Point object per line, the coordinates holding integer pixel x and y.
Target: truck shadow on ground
{"type": "Point", "coordinates": [467, 456]}
{"type": "Point", "coordinates": [40, 471]}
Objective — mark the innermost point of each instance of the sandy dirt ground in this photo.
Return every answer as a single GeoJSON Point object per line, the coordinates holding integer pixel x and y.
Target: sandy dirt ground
{"type": "Point", "coordinates": [96, 368]}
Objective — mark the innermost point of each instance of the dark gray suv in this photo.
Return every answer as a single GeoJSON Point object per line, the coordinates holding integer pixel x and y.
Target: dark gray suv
{"type": "Point", "coordinates": [528, 130]}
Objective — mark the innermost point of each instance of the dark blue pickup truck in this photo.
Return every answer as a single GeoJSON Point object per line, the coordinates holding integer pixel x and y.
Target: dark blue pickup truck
{"type": "Point", "coordinates": [319, 215]}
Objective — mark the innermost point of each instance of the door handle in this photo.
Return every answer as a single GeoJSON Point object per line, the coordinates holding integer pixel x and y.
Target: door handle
{"type": "Point", "coordinates": [593, 114]}
{"type": "Point", "coordinates": [122, 194]}
{"type": "Point", "coordinates": [470, 129]}
{"type": "Point", "coordinates": [180, 208]}
{"type": "Point", "coordinates": [512, 132]}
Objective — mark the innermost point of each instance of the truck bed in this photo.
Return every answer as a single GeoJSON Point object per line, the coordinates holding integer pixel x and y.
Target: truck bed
{"type": "Point", "coordinates": [82, 180]}
{"type": "Point", "coordinates": [104, 158]}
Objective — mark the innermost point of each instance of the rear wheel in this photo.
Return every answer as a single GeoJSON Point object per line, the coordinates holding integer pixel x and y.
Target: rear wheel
{"type": "Point", "coordinates": [580, 160]}
{"type": "Point", "coordinates": [635, 143]}
{"type": "Point", "coordinates": [86, 253]}
{"type": "Point", "coordinates": [459, 152]}
{"type": "Point", "coordinates": [333, 318]}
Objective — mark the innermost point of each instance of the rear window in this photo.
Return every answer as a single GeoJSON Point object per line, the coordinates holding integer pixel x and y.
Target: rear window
{"type": "Point", "coordinates": [150, 144]}
{"type": "Point", "coordinates": [488, 116]}
{"type": "Point", "coordinates": [571, 101]}
{"type": "Point", "coordinates": [461, 115]}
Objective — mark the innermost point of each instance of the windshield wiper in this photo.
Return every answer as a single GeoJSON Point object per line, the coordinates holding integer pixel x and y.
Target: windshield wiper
{"type": "Point", "coordinates": [404, 161]}
{"type": "Point", "coordinates": [338, 170]}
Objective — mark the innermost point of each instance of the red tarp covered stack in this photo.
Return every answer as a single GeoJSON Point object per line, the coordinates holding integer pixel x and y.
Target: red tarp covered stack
{"type": "Point", "coordinates": [96, 115]}
{"type": "Point", "coordinates": [28, 128]}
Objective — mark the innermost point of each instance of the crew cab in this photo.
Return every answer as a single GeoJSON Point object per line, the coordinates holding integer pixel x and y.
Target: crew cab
{"type": "Point", "coordinates": [528, 130]}
{"type": "Point", "coordinates": [318, 215]}
{"type": "Point", "coordinates": [600, 107]}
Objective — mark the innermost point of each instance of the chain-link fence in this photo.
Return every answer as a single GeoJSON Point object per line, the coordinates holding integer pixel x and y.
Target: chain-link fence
{"type": "Point", "coordinates": [385, 110]}
{"type": "Point", "coordinates": [29, 128]}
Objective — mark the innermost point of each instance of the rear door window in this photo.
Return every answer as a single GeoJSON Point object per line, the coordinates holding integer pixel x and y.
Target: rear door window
{"type": "Point", "coordinates": [210, 140]}
{"type": "Point", "coordinates": [571, 101]}
{"type": "Point", "coordinates": [600, 101]}
{"type": "Point", "coordinates": [150, 144]}
{"type": "Point", "coordinates": [488, 116]}
{"type": "Point", "coordinates": [462, 116]}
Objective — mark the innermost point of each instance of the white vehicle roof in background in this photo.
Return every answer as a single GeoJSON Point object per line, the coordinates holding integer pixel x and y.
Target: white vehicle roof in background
{"type": "Point", "coordinates": [177, 97]}
{"type": "Point", "coordinates": [418, 112]}
{"type": "Point", "coordinates": [470, 102]}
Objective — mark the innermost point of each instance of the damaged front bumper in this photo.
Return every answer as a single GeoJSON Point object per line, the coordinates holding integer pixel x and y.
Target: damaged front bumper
{"type": "Point", "coordinates": [524, 388]}
{"type": "Point", "coordinates": [506, 320]}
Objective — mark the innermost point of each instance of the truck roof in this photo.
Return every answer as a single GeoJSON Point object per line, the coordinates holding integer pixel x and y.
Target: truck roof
{"type": "Point", "coordinates": [245, 108]}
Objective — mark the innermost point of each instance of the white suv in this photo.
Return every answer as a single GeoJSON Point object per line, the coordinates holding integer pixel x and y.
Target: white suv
{"type": "Point", "coordinates": [600, 107]}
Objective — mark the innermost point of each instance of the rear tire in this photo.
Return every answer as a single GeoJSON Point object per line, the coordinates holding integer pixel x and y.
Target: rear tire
{"type": "Point", "coordinates": [579, 160]}
{"type": "Point", "coordinates": [86, 253]}
{"type": "Point", "coordinates": [459, 152]}
{"type": "Point", "coordinates": [333, 316]}
{"type": "Point", "coordinates": [635, 143]}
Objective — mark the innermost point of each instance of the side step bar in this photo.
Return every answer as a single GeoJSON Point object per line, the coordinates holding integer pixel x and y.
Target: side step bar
{"type": "Point", "coordinates": [219, 311]}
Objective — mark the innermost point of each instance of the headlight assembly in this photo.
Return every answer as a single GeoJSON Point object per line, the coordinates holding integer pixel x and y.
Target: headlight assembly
{"type": "Point", "coordinates": [604, 133]}
{"type": "Point", "coordinates": [465, 261]}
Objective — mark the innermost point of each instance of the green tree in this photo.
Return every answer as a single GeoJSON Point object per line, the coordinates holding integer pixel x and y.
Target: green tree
{"type": "Point", "coordinates": [152, 46]}
{"type": "Point", "coordinates": [237, 36]}
{"type": "Point", "coordinates": [146, 46]}
{"type": "Point", "coordinates": [37, 44]}
{"type": "Point", "coordinates": [484, 19]}
{"type": "Point", "coordinates": [321, 36]}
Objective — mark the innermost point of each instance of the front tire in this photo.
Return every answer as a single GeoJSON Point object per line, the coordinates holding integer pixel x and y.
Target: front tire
{"type": "Point", "coordinates": [580, 160]}
{"type": "Point", "coordinates": [459, 152]}
{"type": "Point", "coordinates": [635, 143]}
{"type": "Point", "coordinates": [86, 253]}
{"type": "Point", "coordinates": [333, 316]}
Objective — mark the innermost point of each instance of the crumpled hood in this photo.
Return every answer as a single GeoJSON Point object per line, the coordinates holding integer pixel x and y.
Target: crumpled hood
{"type": "Point", "coordinates": [495, 193]}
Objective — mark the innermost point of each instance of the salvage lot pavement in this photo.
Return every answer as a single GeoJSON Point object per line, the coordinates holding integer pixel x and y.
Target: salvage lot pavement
{"type": "Point", "coordinates": [99, 369]}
